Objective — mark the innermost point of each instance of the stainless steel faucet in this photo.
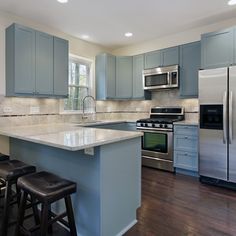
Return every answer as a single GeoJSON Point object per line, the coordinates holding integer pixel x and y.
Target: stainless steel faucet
{"type": "Point", "coordinates": [83, 103]}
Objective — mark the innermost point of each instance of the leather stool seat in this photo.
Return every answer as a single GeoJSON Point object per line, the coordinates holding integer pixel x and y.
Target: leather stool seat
{"type": "Point", "coordinates": [46, 186]}
{"type": "Point", "coordinates": [4, 157]}
{"type": "Point", "coordinates": [13, 169]}
{"type": "Point", "coordinates": [47, 189]}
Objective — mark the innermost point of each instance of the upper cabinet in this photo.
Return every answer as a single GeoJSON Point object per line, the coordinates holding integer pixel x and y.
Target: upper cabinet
{"type": "Point", "coordinates": [105, 75]}
{"type": "Point", "coordinates": [36, 63]}
{"type": "Point", "coordinates": [44, 64]}
{"type": "Point", "coordinates": [217, 49]}
{"type": "Point", "coordinates": [170, 56]}
{"type": "Point", "coordinates": [119, 77]}
{"type": "Point", "coordinates": [164, 57]}
{"type": "Point", "coordinates": [153, 59]}
{"type": "Point", "coordinates": [190, 60]}
{"type": "Point", "coordinates": [60, 65]}
{"type": "Point", "coordinates": [124, 76]}
{"type": "Point", "coordinates": [138, 66]}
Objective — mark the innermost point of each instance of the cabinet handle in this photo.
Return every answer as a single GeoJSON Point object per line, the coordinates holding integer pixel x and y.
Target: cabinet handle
{"type": "Point", "coordinates": [186, 154]}
{"type": "Point", "coordinates": [186, 137]}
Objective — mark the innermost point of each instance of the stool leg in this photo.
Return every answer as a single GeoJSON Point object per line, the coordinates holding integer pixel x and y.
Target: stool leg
{"type": "Point", "coordinates": [70, 215]}
{"type": "Point", "coordinates": [21, 213]}
{"type": "Point", "coordinates": [49, 218]}
{"type": "Point", "coordinates": [35, 211]}
{"type": "Point", "coordinates": [7, 200]}
{"type": "Point", "coordinates": [44, 220]}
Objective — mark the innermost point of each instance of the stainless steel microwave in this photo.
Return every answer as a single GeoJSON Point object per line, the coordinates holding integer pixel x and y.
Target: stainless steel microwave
{"type": "Point", "coordinates": [161, 78]}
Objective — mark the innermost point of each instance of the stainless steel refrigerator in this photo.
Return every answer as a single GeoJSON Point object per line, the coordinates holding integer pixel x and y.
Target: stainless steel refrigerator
{"type": "Point", "coordinates": [217, 133]}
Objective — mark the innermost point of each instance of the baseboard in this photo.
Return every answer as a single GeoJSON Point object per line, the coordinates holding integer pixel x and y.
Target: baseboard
{"type": "Point", "coordinates": [129, 226]}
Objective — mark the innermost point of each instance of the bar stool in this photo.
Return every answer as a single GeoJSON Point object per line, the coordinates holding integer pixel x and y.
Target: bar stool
{"type": "Point", "coordinates": [3, 157]}
{"type": "Point", "coordinates": [47, 188]}
{"type": "Point", "coordinates": [10, 171]}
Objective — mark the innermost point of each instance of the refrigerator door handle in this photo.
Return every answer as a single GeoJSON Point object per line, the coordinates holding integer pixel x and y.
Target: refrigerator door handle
{"type": "Point", "coordinates": [230, 117]}
{"type": "Point", "coordinates": [224, 117]}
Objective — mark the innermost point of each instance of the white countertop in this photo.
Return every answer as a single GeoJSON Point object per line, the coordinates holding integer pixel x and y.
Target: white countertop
{"type": "Point", "coordinates": [67, 136]}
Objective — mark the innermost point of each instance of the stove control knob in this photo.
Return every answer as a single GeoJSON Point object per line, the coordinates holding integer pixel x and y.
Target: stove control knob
{"type": "Point", "coordinates": [165, 126]}
{"type": "Point", "coordinates": [146, 125]}
{"type": "Point", "coordinates": [161, 126]}
{"type": "Point", "coordinates": [153, 125]}
{"type": "Point", "coordinates": [142, 124]}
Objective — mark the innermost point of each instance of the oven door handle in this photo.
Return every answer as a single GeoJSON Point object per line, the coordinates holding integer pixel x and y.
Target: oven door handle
{"type": "Point", "coordinates": [147, 130]}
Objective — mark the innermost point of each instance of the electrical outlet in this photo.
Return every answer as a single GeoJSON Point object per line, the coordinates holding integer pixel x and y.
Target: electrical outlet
{"type": "Point", "coordinates": [7, 109]}
{"type": "Point", "coordinates": [89, 151]}
{"type": "Point", "coordinates": [34, 110]}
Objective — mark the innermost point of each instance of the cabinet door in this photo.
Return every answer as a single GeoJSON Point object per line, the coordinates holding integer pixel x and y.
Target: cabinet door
{"type": "Point", "coordinates": [24, 60]}
{"type": "Point", "coordinates": [170, 56]}
{"type": "Point", "coordinates": [110, 76]}
{"type": "Point", "coordinates": [153, 59]}
{"type": "Point", "coordinates": [190, 60]}
{"type": "Point", "coordinates": [217, 49]}
{"type": "Point", "coordinates": [61, 63]}
{"type": "Point", "coordinates": [124, 76]}
{"type": "Point", "coordinates": [138, 66]}
{"type": "Point", "coordinates": [105, 76]}
{"type": "Point", "coordinates": [44, 64]}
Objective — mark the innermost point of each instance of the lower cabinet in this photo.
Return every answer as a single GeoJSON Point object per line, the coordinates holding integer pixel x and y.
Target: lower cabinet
{"type": "Point", "coordinates": [186, 149]}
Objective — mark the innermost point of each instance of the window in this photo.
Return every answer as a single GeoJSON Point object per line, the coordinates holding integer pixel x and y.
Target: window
{"type": "Point", "coordinates": [79, 83]}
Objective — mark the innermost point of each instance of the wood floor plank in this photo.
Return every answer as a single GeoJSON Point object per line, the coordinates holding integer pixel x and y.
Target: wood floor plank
{"type": "Point", "coordinates": [177, 205]}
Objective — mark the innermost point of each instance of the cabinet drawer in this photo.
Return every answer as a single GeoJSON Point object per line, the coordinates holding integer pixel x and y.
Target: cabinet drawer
{"type": "Point", "coordinates": [186, 130]}
{"type": "Point", "coordinates": [186, 143]}
{"type": "Point", "coordinates": [186, 160]}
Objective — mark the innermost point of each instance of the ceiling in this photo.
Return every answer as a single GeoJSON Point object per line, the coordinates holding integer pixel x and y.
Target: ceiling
{"type": "Point", "coordinates": [106, 21]}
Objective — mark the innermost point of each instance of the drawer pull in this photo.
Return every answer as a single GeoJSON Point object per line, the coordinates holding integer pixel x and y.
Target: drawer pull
{"type": "Point", "coordinates": [186, 154]}
{"type": "Point", "coordinates": [186, 137]}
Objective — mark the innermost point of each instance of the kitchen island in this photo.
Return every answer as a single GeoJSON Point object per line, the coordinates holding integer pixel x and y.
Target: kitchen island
{"type": "Point", "coordinates": [105, 164]}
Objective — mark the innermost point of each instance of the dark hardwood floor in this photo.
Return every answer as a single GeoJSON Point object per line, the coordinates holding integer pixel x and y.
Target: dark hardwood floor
{"type": "Point", "coordinates": [178, 205]}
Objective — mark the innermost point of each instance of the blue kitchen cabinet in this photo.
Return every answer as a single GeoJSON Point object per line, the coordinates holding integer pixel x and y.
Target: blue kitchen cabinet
{"type": "Point", "coordinates": [153, 59]}
{"type": "Point", "coordinates": [217, 49]}
{"type": "Point", "coordinates": [124, 77]}
{"type": "Point", "coordinates": [36, 63]}
{"type": "Point", "coordinates": [190, 62]}
{"type": "Point", "coordinates": [186, 149]}
{"type": "Point", "coordinates": [105, 74]}
{"type": "Point", "coordinates": [44, 64]}
{"type": "Point", "coordinates": [170, 56]}
{"type": "Point", "coordinates": [164, 57]}
{"type": "Point", "coordinates": [61, 63]}
{"type": "Point", "coordinates": [20, 60]}
{"type": "Point", "coordinates": [138, 66]}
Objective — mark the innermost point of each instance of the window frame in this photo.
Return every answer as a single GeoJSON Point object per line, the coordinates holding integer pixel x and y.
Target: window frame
{"type": "Point", "coordinates": [91, 87]}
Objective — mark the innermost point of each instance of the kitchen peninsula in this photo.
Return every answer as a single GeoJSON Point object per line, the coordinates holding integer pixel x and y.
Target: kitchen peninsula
{"type": "Point", "coordinates": [105, 164]}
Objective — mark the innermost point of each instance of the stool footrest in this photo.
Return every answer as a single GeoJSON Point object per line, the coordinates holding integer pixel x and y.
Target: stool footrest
{"type": "Point", "coordinates": [58, 218]}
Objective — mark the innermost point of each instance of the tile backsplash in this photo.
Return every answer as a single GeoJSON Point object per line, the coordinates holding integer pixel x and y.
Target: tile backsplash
{"type": "Point", "coordinates": [25, 111]}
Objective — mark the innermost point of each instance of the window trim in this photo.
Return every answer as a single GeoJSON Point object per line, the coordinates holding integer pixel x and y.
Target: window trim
{"type": "Point", "coordinates": [91, 86]}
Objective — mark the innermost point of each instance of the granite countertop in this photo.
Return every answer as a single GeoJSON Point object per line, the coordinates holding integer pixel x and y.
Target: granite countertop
{"type": "Point", "coordinates": [67, 136]}
{"type": "Point", "coordinates": [187, 122]}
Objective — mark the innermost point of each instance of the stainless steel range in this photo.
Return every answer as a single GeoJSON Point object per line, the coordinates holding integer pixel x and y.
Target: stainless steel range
{"type": "Point", "coordinates": [157, 141]}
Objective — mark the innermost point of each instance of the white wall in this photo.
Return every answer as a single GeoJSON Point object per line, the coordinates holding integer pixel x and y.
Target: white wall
{"type": "Point", "coordinates": [76, 46]}
{"type": "Point", "coordinates": [173, 40]}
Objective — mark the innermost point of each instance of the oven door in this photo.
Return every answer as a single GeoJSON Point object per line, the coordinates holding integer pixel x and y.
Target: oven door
{"type": "Point", "coordinates": [157, 149]}
{"type": "Point", "coordinates": [157, 144]}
